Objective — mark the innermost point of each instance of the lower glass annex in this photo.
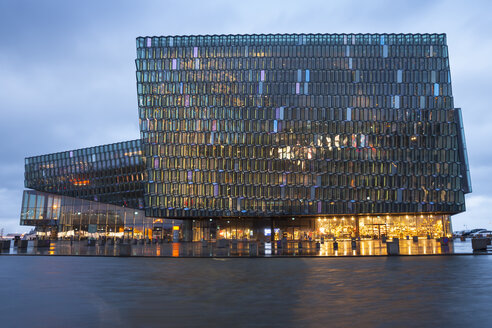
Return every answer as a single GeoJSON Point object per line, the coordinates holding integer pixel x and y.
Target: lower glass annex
{"type": "Point", "coordinates": [56, 216]}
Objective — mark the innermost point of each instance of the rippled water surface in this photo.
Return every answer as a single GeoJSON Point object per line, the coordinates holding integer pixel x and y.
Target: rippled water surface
{"type": "Point", "coordinates": [435, 291]}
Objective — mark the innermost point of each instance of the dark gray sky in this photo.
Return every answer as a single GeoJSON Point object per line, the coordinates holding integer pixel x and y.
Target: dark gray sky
{"type": "Point", "coordinates": [67, 73]}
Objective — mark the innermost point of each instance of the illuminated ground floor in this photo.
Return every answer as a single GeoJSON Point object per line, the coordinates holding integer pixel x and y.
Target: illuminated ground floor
{"type": "Point", "coordinates": [313, 228]}
{"type": "Point", "coordinates": [56, 216]}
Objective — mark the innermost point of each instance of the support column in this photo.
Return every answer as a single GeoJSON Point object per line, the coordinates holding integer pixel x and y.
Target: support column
{"type": "Point", "coordinates": [272, 226]}
{"type": "Point", "coordinates": [187, 230]}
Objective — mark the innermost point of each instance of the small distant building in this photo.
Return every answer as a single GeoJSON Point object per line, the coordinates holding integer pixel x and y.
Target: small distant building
{"type": "Point", "coordinates": [11, 236]}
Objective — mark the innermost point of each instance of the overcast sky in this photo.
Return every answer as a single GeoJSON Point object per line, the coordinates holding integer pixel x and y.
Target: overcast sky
{"type": "Point", "coordinates": [67, 72]}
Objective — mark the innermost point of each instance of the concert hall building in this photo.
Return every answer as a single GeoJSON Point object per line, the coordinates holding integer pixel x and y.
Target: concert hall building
{"type": "Point", "coordinates": [270, 136]}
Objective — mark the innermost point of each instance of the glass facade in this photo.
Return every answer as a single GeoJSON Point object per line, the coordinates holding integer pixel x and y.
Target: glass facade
{"type": "Point", "coordinates": [281, 125]}
{"type": "Point", "coordinates": [291, 136]}
{"type": "Point", "coordinates": [74, 217]}
{"type": "Point", "coordinates": [112, 174]}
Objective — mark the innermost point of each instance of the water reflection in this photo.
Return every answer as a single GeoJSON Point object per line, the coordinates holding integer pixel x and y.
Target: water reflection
{"type": "Point", "coordinates": [248, 248]}
{"type": "Point", "coordinates": [303, 292]}
{"type": "Point", "coordinates": [175, 250]}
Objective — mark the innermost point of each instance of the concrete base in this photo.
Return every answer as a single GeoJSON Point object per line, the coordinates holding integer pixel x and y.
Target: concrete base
{"type": "Point", "coordinates": [479, 244]}
{"type": "Point", "coordinates": [393, 248]}
{"type": "Point", "coordinates": [42, 243]}
{"type": "Point", "coordinates": [284, 243]}
{"type": "Point", "coordinates": [125, 250]}
{"type": "Point", "coordinates": [222, 243]}
{"type": "Point", "coordinates": [253, 249]}
{"type": "Point", "coordinates": [4, 244]}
